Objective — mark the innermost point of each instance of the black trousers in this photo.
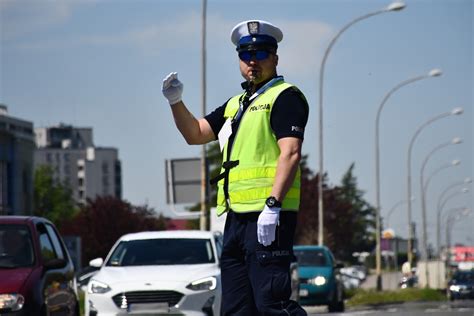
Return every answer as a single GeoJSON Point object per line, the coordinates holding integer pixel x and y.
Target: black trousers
{"type": "Point", "coordinates": [256, 279]}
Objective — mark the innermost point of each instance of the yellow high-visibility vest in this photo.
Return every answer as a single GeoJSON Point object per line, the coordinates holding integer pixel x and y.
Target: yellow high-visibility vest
{"type": "Point", "coordinates": [256, 149]}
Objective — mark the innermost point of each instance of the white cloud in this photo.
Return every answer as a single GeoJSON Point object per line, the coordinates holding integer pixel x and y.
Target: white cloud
{"type": "Point", "coordinates": [300, 51]}
{"type": "Point", "coordinates": [302, 46]}
{"type": "Point", "coordinates": [23, 17]}
{"type": "Point", "coordinates": [150, 39]}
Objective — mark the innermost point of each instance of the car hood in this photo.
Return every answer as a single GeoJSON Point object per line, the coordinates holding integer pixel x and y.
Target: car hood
{"type": "Point", "coordinates": [154, 274]}
{"type": "Point", "coordinates": [463, 282]}
{"type": "Point", "coordinates": [13, 279]}
{"type": "Point", "coordinates": [311, 272]}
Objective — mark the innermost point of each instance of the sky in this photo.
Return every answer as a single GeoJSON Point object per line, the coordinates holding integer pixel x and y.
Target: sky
{"type": "Point", "coordinates": [100, 64]}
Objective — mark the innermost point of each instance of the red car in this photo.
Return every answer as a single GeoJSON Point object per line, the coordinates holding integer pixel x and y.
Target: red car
{"type": "Point", "coordinates": [36, 271]}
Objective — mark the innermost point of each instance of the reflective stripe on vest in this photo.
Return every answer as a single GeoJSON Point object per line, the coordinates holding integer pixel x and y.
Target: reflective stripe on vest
{"type": "Point", "coordinates": [256, 148]}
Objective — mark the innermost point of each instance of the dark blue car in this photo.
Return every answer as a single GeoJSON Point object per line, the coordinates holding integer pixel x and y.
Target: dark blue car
{"type": "Point", "coordinates": [320, 282]}
{"type": "Point", "coordinates": [461, 285]}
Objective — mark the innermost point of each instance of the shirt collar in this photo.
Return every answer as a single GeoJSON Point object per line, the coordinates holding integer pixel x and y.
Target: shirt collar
{"type": "Point", "coordinates": [247, 87]}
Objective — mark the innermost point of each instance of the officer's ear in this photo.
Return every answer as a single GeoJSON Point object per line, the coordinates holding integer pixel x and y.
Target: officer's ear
{"type": "Point", "coordinates": [276, 59]}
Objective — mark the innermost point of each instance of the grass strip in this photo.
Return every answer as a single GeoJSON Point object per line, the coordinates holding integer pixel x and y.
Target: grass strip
{"type": "Point", "coordinates": [373, 297]}
{"type": "Point", "coordinates": [81, 302]}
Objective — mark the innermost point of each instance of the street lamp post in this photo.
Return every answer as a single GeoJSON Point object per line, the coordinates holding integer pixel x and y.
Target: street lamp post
{"type": "Point", "coordinates": [454, 141]}
{"type": "Point", "coordinates": [432, 73]}
{"type": "Point", "coordinates": [450, 223]}
{"type": "Point", "coordinates": [442, 204]}
{"type": "Point", "coordinates": [203, 218]}
{"type": "Point", "coordinates": [454, 211]}
{"type": "Point", "coordinates": [456, 111]}
{"type": "Point", "coordinates": [392, 209]}
{"type": "Point", "coordinates": [395, 6]}
{"type": "Point", "coordinates": [453, 163]}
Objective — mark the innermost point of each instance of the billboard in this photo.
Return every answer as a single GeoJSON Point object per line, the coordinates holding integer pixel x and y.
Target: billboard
{"type": "Point", "coordinates": [463, 254]}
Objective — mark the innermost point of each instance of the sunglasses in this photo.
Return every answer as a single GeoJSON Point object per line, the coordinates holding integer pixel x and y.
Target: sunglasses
{"type": "Point", "coordinates": [258, 54]}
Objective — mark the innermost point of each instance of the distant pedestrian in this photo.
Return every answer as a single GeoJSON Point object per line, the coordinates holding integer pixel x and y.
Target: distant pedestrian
{"type": "Point", "coordinates": [261, 133]}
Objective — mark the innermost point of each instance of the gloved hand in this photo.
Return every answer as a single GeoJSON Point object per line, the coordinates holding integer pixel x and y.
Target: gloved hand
{"type": "Point", "coordinates": [172, 88]}
{"type": "Point", "coordinates": [266, 225]}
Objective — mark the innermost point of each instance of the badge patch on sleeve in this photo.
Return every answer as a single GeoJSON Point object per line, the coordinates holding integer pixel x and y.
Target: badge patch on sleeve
{"type": "Point", "coordinates": [297, 129]}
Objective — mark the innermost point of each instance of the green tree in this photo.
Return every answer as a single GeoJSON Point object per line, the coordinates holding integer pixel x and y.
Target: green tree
{"type": "Point", "coordinates": [348, 218]}
{"type": "Point", "coordinates": [105, 219]}
{"type": "Point", "coordinates": [52, 199]}
{"type": "Point", "coordinates": [361, 215]}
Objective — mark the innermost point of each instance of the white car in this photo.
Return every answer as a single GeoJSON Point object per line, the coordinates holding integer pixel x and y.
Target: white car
{"type": "Point", "coordinates": [156, 273]}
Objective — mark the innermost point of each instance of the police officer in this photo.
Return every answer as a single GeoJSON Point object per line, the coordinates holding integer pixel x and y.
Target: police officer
{"type": "Point", "coordinates": [261, 133]}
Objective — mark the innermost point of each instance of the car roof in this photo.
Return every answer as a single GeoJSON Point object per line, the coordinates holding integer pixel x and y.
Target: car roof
{"type": "Point", "coordinates": [311, 247]}
{"type": "Point", "coordinates": [13, 219]}
{"type": "Point", "coordinates": [195, 234]}
{"type": "Point", "coordinates": [464, 272]}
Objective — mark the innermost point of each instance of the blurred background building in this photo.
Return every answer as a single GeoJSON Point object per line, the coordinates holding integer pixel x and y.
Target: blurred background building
{"type": "Point", "coordinates": [17, 145]}
{"type": "Point", "coordinates": [89, 171]}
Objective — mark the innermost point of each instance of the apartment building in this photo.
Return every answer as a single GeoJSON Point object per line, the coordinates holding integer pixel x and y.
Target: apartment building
{"type": "Point", "coordinates": [88, 170]}
{"type": "Point", "coordinates": [17, 145]}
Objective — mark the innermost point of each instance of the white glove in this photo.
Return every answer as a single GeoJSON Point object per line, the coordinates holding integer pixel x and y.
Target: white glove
{"type": "Point", "coordinates": [172, 88]}
{"type": "Point", "coordinates": [266, 225]}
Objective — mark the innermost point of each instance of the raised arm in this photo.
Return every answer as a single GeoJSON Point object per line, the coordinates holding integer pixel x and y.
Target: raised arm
{"type": "Point", "coordinates": [195, 131]}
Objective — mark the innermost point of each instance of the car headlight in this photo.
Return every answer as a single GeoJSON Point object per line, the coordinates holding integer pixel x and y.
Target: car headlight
{"type": "Point", "coordinates": [207, 284]}
{"type": "Point", "coordinates": [454, 288]}
{"type": "Point", "coordinates": [13, 302]}
{"type": "Point", "coordinates": [457, 288]}
{"type": "Point", "coordinates": [319, 280]}
{"type": "Point", "coordinates": [97, 287]}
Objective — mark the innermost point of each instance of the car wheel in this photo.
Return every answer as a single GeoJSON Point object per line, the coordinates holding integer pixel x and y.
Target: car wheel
{"type": "Point", "coordinates": [337, 304]}
{"type": "Point", "coordinates": [336, 307]}
{"type": "Point", "coordinates": [77, 309]}
{"type": "Point", "coordinates": [44, 311]}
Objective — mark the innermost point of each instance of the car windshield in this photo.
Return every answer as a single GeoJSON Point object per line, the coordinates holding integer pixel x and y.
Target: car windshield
{"type": "Point", "coordinates": [162, 252]}
{"type": "Point", "coordinates": [467, 276]}
{"type": "Point", "coordinates": [311, 258]}
{"type": "Point", "coordinates": [16, 248]}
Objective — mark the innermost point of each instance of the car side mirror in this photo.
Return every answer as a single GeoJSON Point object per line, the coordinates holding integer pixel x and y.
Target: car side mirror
{"type": "Point", "coordinates": [96, 263]}
{"type": "Point", "coordinates": [339, 265]}
{"type": "Point", "coordinates": [55, 264]}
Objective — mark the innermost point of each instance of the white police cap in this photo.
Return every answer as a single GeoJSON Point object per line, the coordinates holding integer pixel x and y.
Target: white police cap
{"type": "Point", "coordinates": [252, 34]}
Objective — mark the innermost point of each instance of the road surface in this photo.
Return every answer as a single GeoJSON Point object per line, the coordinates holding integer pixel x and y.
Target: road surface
{"type": "Point", "coordinates": [461, 308]}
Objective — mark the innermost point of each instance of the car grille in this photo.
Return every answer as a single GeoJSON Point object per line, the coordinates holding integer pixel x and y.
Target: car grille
{"type": "Point", "coordinates": [123, 300]}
